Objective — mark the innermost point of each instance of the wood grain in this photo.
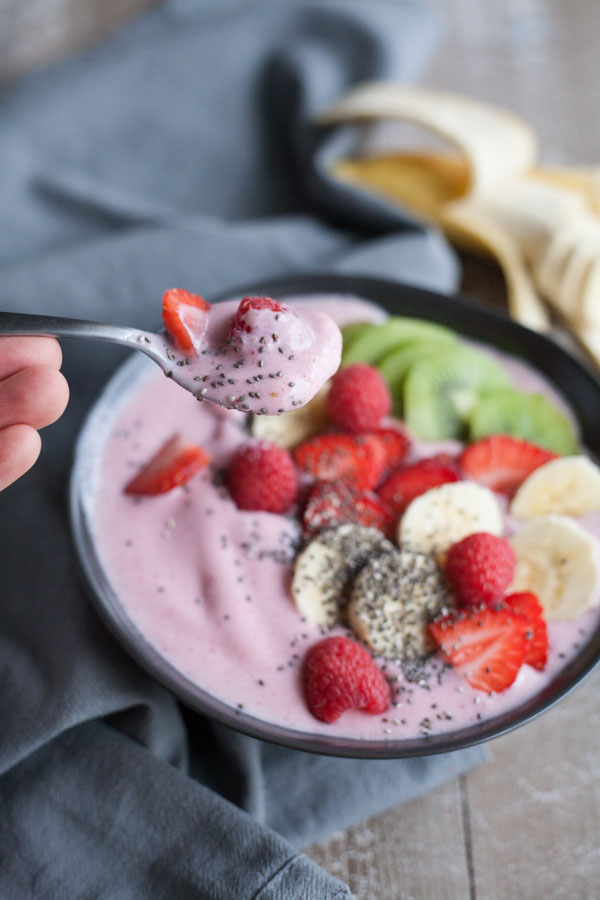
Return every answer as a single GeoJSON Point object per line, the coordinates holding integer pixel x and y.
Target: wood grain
{"type": "Point", "coordinates": [416, 851]}
{"type": "Point", "coordinates": [535, 810]}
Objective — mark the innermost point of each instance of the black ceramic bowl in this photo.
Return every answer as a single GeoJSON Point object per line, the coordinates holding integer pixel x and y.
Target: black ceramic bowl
{"type": "Point", "coordinates": [577, 385]}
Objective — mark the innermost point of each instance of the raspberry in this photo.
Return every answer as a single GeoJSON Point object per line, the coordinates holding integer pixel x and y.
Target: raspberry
{"type": "Point", "coordinates": [359, 398]}
{"type": "Point", "coordinates": [480, 568]}
{"type": "Point", "coordinates": [262, 476]}
{"type": "Point", "coordinates": [244, 318]}
{"type": "Point", "coordinates": [339, 675]}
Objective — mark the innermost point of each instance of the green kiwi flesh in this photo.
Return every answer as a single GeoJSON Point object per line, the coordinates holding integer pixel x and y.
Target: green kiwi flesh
{"type": "Point", "coordinates": [372, 343]}
{"type": "Point", "coordinates": [396, 364]}
{"type": "Point", "coordinates": [441, 390]}
{"type": "Point", "coordinates": [528, 416]}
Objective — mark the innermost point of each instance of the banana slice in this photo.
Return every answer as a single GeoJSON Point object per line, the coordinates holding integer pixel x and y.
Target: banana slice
{"type": "Point", "coordinates": [446, 514]}
{"type": "Point", "coordinates": [291, 428]}
{"type": "Point", "coordinates": [324, 570]}
{"type": "Point", "coordinates": [393, 598]}
{"type": "Point", "coordinates": [558, 561]}
{"type": "Point", "coordinates": [568, 486]}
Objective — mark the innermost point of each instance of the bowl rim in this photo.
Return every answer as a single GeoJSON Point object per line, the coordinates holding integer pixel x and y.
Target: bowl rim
{"type": "Point", "coordinates": [574, 379]}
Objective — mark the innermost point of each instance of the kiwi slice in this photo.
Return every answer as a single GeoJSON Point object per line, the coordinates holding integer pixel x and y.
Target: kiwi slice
{"type": "Point", "coordinates": [374, 341]}
{"type": "Point", "coordinates": [395, 365]}
{"type": "Point", "coordinates": [440, 391]}
{"type": "Point", "coordinates": [351, 332]}
{"type": "Point", "coordinates": [529, 416]}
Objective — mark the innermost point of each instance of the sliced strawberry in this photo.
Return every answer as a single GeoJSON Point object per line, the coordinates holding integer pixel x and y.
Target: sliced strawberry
{"type": "Point", "coordinates": [356, 459]}
{"type": "Point", "coordinates": [446, 459]}
{"type": "Point", "coordinates": [528, 605]}
{"type": "Point", "coordinates": [243, 316]}
{"type": "Point", "coordinates": [331, 503]}
{"type": "Point", "coordinates": [485, 646]}
{"type": "Point", "coordinates": [185, 316]}
{"type": "Point", "coordinates": [410, 481]}
{"type": "Point", "coordinates": [502, 462]}
{"type": "Point", "coordinates": [173, 465]}
{"type": "Point", "coordinates": [395, 443]}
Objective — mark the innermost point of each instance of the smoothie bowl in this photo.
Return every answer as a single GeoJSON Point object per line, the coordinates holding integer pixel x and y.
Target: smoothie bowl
{"type": "Point", "coordinates": [407, 550]}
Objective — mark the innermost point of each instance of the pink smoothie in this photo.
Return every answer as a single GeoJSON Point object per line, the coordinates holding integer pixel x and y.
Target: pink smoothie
{"type": "Point", "coordinates": [207, 584]}
{"type": "Point", "coordinates": [269, 362]}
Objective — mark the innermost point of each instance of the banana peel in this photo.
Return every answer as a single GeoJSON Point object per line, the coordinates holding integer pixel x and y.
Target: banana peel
{"type": "Point", "coordinates": [489, 195]}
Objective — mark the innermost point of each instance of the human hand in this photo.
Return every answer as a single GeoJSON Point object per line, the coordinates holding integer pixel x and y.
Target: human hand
{"type": "Point", "coordinates": [33, 394]}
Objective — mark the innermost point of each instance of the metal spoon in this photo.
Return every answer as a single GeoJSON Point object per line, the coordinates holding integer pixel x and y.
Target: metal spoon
{"type": "Point", "coordinates": [153, 345]}
{"type": "Point", "coordinates": [213, 375]}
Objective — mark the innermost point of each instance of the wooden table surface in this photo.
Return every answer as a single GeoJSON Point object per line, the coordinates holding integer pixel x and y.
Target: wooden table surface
{"type": "Point", "coordinates": [525, 824]}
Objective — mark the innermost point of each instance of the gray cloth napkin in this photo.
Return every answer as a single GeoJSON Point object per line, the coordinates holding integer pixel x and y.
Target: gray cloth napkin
{"type": "Point", "coordinates": [178, 153]}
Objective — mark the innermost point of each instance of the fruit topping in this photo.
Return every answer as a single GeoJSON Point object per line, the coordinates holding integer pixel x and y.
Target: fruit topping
{"type": "Point", "coordinates": [331, 503]}
{"type": "Point", "coordinates": [357, 459]}
{"type": "Point", "coordinates": [185, 316]}
{"type": "Point", "coordinates": [370, 343]}
{"type": "Point", "coordinates": [245, 320]}
{"type": "Point", "coordinates": [340, 675]}
{"type": "Point", "coordinates": [485, 646]}
{"type": "Point", "coordinates": [528, 605]}
{"type": "Point", "coordinates": [262, 476]}
{"type": "Point", "coordinates": [393, 598]}
{"type": "Point", "coordinates": [294, 426]}
{"type": "Point", "coordinates": [410, 481]}
{"type": "Point", "coordinates": [359, 398]}
{"type": "Point", "coordinates": [444, 515]}
{"type": "Point", "coordinates": [502, 462]}
{"type": "Point", "coordinates": [395, 443]}
{"type": "Point", "coordinates": [557, 560]}
{"type": "Point", "coordinates": [326, 567]}
{"type": "Point", "coordinates": [396, 365]}
{"type": "Point", "coordinates": [439, 392]}
{"type": "Point", "coordinates": [529, 416]}
{"type": "Point", "coordinates": [174, 464]}
{"type": "Point", "coordinates": [480, 568]}
{"type": "Point", "coordinates": [568, 486]}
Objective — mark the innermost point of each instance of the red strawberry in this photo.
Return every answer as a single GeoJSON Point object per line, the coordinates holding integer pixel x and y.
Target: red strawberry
{"type": "Point", "coordinates": [173, 465]}
{"type": "Point", "coordinates": [485, 646]}
{"type": "Point", "coordinates": [243, 320]}
{"type": "Point", "coordinates": [357, 459]}
{"type": "Point", "coordinates": [185, 316]}
{"type": "Point", "coordinates": [331, 503]}
{"type": "Point", "coordinates": [502, 462]}
{"type": "Point", "coordinates": [262, 476]}
{"type": "Point", "coordinates": [395, 443]}
{"type": "Point", "coordinates": [528, 605]}
{"type": "Point", "coordinates": [410, 481]}
{"type": "Point", "coordinates": [359, 398]}
{"type": "Point", "coordinates": [480, 567]}
{"type": "Point", "coordinates": [340, 674]}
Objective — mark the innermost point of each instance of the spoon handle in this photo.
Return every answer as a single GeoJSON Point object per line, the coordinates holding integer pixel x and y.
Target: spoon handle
{"type": "Point", "coordinates": [57, 326]}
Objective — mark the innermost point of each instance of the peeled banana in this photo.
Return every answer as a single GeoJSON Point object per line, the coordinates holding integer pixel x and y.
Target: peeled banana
{"type": "Point", "coordinates": [557, 560]}
{"type": "Point", "coordinates": [443, 515]}
{"type": "Point", "coordinates": [325, 568]}
{"type": "Point", "coordinates": [393, 598]}
{"type": "Point", "coordinates": [567, 486]}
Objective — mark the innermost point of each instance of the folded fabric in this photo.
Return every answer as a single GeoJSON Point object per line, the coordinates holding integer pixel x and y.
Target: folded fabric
{"type": "Point", "coordinates": [178, 153]}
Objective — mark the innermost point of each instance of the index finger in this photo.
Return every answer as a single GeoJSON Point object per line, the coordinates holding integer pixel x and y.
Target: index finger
{"type": "Point", "coordinates": [18, 353]}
